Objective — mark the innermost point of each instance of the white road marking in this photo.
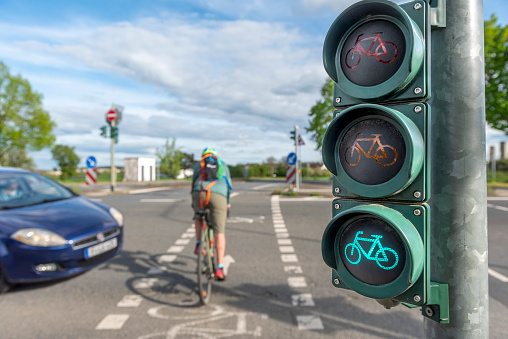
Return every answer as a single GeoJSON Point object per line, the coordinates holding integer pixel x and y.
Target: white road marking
{"type": "Point", "coordinates": [501, 208]}
{"type": "Point", "coordinates": [112, 322]}
{"type": "Point", "coordinates": [166, 258]}
{"type": "Point", "coordinates": [130, 300]}
{"type": "Point", "coordinates": [156, 270]}
{"type": "Point", "coordinates": [309, 322]}
{"type": "Point", "coordinates": [148, 190]}
{"type": "Point", "coordinates": [281, 230]}
{"type": "Point", "coordinates": [160, 200]}
{"type": "Point", "coordinates": [182, 241]}
{"type": "Point", "coordinates": [282, 235]}
{"type": "Point", "coordinates": [284, 242]}
{"type": "Point", "coordinates": [188, 235]}
{"type": "Point", "coordinates": [293, 269]}
{"type": "Point", "coordinates": [145, 283]}
{"type": "Point", "coordinates": [228, 260]}
{"type": "Point", "coordinates": [263, 186]}
{"type": "Point", "coordinates": [175, 249]}
{"type": "Point", "coordinates": [304, 299]}
{"type": "Point", "coordinates": [308, 199]}
{"type": "Point", "coordinates": [286, 249]}
{"type": "Point", "coordinates": [289, 258]}
{"type": "Point", "coordinates": [297, 282]}
{"type": "Point", "coordinates": [497, 198]}
{"type": "Point", "coordinates": [498, 275]}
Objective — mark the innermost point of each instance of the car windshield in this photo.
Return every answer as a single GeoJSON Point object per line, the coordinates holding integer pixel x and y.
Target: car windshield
{"type": "Point", "coordinates": [25, 189]}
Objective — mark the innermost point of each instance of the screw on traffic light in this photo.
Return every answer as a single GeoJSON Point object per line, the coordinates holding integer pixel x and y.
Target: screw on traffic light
{"type": "Point", "coordinates": [114, 134]}
{"type": "Point", "coordinates": [104, 132]}
{"type": "Point", "coordinates": [378, 149]}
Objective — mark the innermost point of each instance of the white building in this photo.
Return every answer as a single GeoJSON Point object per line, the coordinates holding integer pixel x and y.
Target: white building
{"type": "Point", "coordinates": [139, 169]}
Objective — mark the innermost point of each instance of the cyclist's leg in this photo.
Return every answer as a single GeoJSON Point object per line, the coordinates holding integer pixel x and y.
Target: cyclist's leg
{"type": "Point", "coordinates": [218, 216]}
{"type": "Point", "coordinates": [198, 223]}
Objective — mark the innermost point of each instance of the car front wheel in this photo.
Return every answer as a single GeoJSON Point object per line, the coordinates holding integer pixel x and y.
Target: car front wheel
{"type": "Point", "coordinates": [4, 285]}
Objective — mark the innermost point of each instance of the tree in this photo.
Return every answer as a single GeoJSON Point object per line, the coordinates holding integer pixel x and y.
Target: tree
{"type": "Point", "coordinates": [169, 159]}
{"type": "Point", "coordinates": [496, 74]}
{"type": "Point", "coordinates": [321, 114]}
{"type": "Point", "coordinates": [24, 124]}
{"type": "Point", "coordinates": [66, 158]}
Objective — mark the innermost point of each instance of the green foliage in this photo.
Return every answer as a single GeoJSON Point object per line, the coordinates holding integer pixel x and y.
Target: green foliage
{"type": "Point", "coordinates": [496, 74]}
{"type": "Point", "coordinates": [169, 159]}
{"type": "Point", "coordinates": [258, 170]}
{"type": "Point", "coordinates": [67, 160]}
{"type": "Point", "coordinates": [24, 124]}
{"type": "Point", "coordinates": [236, 171]}
{"type": "Point", "coordinates": [321, 114]}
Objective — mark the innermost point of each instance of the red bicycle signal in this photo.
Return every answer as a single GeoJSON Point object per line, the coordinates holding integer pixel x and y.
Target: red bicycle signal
{"type": "Point", "coordinates": [385, 52]}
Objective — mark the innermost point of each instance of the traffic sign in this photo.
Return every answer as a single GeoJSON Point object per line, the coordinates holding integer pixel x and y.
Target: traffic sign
{"type": "Point", "coordinates": [91, 162]}
{"type": "Point", "coordinates": [291, 159]}
{"type": "Point", "coordinates": [111, 116]}
{"type": "Point", "coordinates": [290, 174]}
{"type": "Point", "coordinates": [91, 176]}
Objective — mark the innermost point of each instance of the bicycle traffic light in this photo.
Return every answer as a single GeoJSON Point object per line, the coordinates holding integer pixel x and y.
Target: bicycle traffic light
{"type": "Point", "coordinates": [104, 132]}
{"type": "Point", "coordinates": [378, 149]}
{"type": "Point", "coordinates": [114, 134]}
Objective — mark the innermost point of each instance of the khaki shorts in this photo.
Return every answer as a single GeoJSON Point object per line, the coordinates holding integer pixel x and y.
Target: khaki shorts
{"type": "Point", "coordinates": [218, 206]}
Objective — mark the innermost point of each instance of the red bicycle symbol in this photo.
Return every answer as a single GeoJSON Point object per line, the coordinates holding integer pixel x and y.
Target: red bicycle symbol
{"type": "Point", "coordinates": [385, 155]}
{"type": "Point", "coordinates": [385, 52]}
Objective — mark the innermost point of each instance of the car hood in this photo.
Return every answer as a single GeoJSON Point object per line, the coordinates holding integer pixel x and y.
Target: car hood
{"type": "Point", "coordinates": [69, 217]}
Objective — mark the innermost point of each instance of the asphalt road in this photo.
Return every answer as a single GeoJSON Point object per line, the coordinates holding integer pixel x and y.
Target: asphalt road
{"type": "Point", "coordinates": [277, 284]}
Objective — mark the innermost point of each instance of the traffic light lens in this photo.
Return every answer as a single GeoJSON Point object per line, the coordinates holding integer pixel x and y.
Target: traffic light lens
{"type": "Point", "coordinates": [372, 251]}
{"type": "Point", "coordinates": [372, 151]}
{"type": "Point", "coordinates": [373, 53]}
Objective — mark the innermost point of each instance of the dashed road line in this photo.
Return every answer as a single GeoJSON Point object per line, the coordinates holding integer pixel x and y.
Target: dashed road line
{"type": "Point", "coordinates": [112, 322]}
{"type": "Point", "coordinates": [296, 280]}
{"type": "Point", "coordinates": [498, 275]}
{"type": "Point", "coordinates": [130, 300]}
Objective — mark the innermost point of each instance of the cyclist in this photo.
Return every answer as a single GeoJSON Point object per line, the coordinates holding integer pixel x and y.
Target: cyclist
{"type": "Point", "coordinates": [212, 194]}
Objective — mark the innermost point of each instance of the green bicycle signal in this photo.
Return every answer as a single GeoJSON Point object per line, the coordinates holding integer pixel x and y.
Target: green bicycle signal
{"type": "Point", "coordinates": [354, 251]}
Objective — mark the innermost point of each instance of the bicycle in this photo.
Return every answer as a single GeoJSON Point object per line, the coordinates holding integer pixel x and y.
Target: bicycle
{"type": "Point", "coordinates": [382, 53]}
{"type": "Point", "coordinates": [380, 153]}
{"type": "Point", "coordinates": [381, 257]}
{"type": "Point", "coordinates": [206, 259]}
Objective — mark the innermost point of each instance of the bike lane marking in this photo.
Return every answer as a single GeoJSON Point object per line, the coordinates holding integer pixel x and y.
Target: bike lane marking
{"type": "Point", "coordinates": [295, 280]}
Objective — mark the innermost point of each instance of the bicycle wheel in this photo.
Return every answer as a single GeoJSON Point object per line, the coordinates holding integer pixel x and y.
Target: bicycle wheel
{"type": "Point", "coordinates": [351, 255]}
{"type": "Point", "coordinates": [386, 54]}
{"type": "Point", "coordinates": [352, 155]}
{"type": "Point", "coordinates": [205, 268]}
{"type": "Point", "coordinates": [386, 258]}
{"type": "Point", "coordinates": [386, 155]}
{"type": "Point", "coordinates": [353, 58]}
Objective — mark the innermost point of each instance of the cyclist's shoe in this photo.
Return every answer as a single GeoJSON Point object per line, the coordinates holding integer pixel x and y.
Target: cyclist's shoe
{"type": "Point", "coordinates": [219, 274]}
{"type": "Point", "coordinates": [196, 250]}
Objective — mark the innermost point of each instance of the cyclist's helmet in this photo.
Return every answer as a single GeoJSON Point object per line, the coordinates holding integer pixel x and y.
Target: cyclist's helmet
{"type": "Point", "coordinates": [209, 150]}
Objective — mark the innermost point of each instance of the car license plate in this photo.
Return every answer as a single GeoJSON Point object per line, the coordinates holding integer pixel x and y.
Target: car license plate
{"type": "Point", "coordinates": [100, 248]}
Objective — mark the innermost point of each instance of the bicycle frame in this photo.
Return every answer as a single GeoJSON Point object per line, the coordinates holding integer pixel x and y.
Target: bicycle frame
{"type": "Point", "coordinates": [374, 241]}
{"type": "Point", "coordinates": [369, 53]}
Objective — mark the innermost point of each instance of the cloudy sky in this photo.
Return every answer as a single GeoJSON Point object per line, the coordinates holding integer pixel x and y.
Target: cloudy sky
{"type": "Point", "coordinates": [234, 75]}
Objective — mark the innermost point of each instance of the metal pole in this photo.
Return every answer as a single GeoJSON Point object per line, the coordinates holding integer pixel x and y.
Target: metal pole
{"type": "Point", "coordinates": [297, 168]}
{"type": "Point", "coordinates": [112, 170]}
{"type": "Point", "coordinates": [459, 195]}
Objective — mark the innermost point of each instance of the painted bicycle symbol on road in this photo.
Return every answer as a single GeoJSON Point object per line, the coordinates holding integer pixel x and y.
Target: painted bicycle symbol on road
{"type": "Point", "coordinates": [385, 155]}
{"type": "Point", "coordinates": [385, 257]}
{"type": "Point", "coordinates": [385, 51]}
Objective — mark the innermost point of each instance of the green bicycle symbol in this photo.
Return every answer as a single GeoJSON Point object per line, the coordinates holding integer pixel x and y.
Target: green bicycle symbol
{"type": "Point", "coordinates": [383, 255]}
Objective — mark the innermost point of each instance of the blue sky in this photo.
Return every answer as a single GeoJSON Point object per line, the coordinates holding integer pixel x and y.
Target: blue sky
{"type": "Point", "coordinates": [234, 75]}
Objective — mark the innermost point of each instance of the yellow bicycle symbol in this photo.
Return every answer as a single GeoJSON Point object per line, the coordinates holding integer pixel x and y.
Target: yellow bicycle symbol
{"type": "Point", "coordinates": [385, 155]}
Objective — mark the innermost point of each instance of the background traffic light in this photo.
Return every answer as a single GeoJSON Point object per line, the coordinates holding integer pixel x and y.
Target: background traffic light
{"type": "Point", "coordinates": [114, 134]}
{"type": "Point", "coordinates": [292, 135]}
{"type": "Point", "coordinates": [104, 132]}
{"type": "Point", "coordinates": [378, 149]}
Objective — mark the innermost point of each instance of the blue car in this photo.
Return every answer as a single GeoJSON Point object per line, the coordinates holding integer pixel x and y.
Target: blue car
{"type": "Point", "coordinates": [49, 232]}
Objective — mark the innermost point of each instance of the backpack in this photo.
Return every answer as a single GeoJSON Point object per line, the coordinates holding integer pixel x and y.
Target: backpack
{"type": "Point", "coordinates": [211, 168]}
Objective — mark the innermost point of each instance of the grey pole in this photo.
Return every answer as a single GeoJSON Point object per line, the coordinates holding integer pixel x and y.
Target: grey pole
{"type": "Point", "coordinates": [459, 205]}
{"type": "Point", "coordinates": [297, 160]}
{"type": "Point", "coordinates": [112, 168]}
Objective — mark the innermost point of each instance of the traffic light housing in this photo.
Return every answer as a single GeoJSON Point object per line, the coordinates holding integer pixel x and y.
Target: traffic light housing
{"type": "Point", "coordinates": [378, 149]}
{"type": "Point", "coordinates": [104, 132]}
{"type": "Point", "coordinates": [114, 134]}
{"type": "Point", "coordinates": [292, 135]}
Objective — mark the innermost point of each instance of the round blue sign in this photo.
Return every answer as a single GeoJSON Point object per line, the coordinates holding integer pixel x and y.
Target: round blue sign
{"type": "Point", "coordinates": [91, 162]}
{"type": "Point", "coordinates": [291, 160]}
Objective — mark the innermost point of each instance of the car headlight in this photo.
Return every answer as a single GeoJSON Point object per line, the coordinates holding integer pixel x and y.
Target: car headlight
{"type": "Point", "coordinates": [117, 215]}
{"type": "Point", "coordinates": [38, 237]}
